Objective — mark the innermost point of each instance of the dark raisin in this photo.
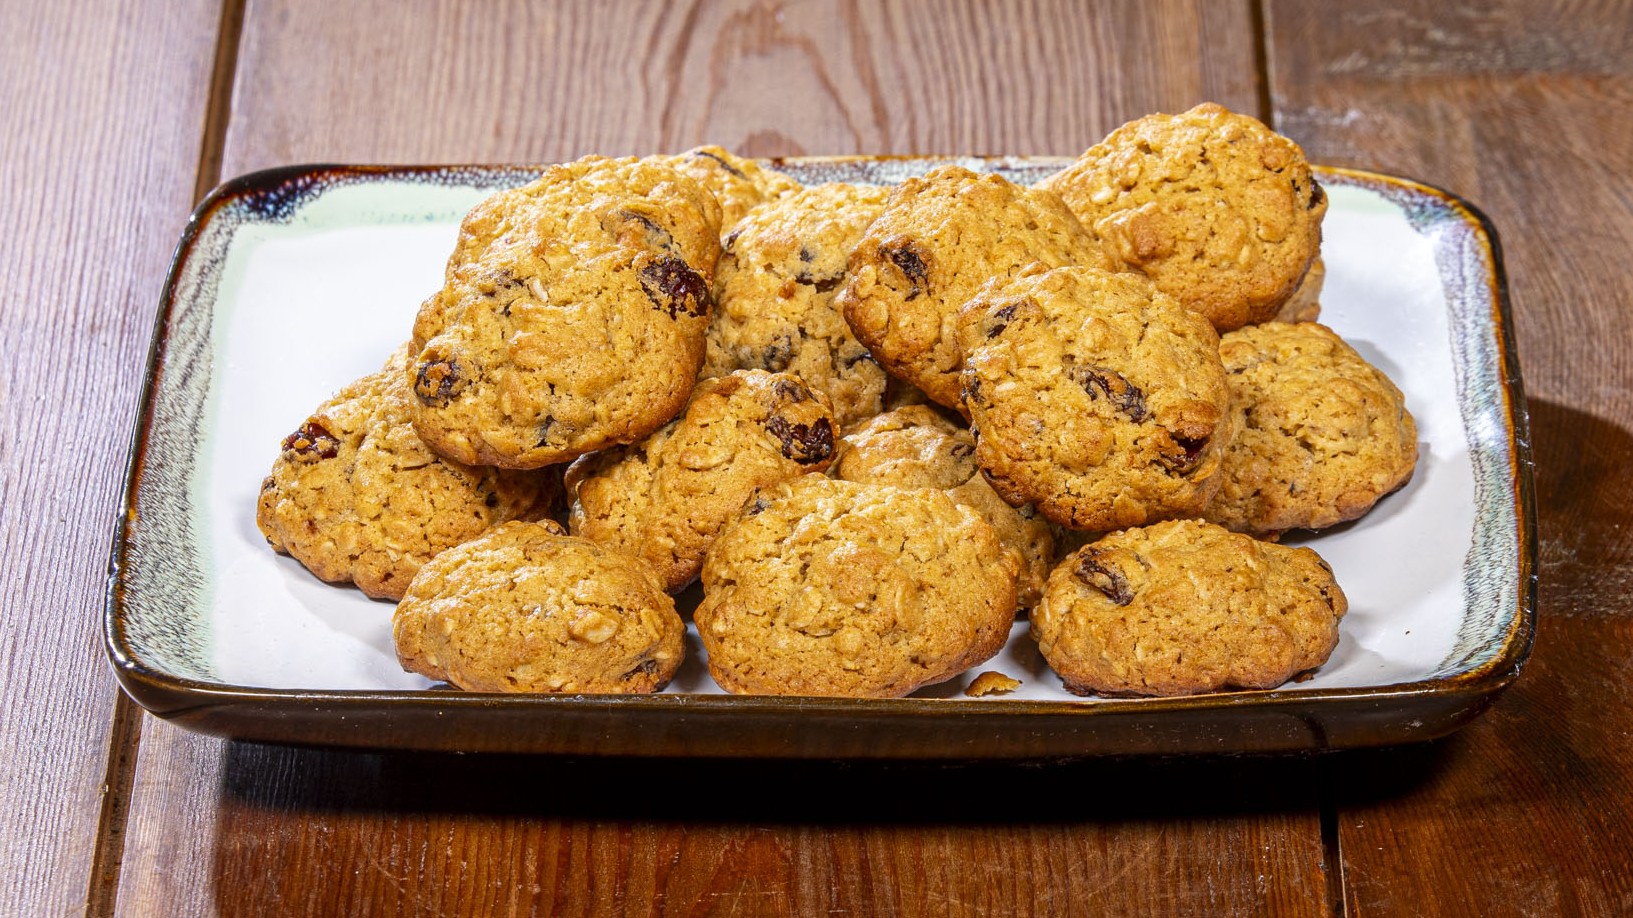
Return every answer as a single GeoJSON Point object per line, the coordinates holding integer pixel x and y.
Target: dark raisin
{"type": "Point", "coordinates": [971, 392]}
{"type": "Point", "coordinates": [492, 500]}
{"type": "Point", "coordinates": [1114, 387]}
{"type": "Point", "coordinates": [757, 507]}
{"type": "Point", "coordinates": [647, 668]}
{"type": "Point", "coordinates": [312, 442]}
{"type": "Point", "coordinates": [544, 430]}
{"type": "Point", "coordinates": [1000, 320]}
{"type": "Point", "coordinates": [806, 256]}
{"type": "Point", "coordinates": [671, 284]}
{"type": "Point", "coordinates": [790, 391]}
{"type": "Point", "coordinates": [657, 237]}
{"type": "Point", "coordinates": [1317, 195]}
{"type": "Point", "coordinates": [907, 259]}
{"type": "Point", "coordinates": [1103, 577]}
{"type": "Point", "coordinates": [822, 284]}
{"type": "Point", "coordinates": [806, 444]}
{"type": "Point", "coordinates": [855, 359]}
{"type": "Point", "coordinates": [1184, 457]}
{"type": "Point", "coordinates": [719, 159]}
{"type": "Point", "coordinates": [439, 382]}
{"type": "Point", "coordinates": [778, 354]}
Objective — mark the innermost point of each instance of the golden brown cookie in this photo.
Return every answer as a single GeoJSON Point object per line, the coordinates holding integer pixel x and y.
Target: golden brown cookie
{"type": "Point", "coordinates": [739, 184]}
{"type": "Point", "coordinates": [666, 498]}
{"type": "Point", "coordinates": [939, 239]}
{"type": "Point", "coordinates": [355, 496]}
{"type": "Point", "coordinates": [1185, 607]}
{"type": "Point", "coordinates": [574, 319]}
{"type": "Point", "coordinates": [1324, 434]}
{"type": "Point", "coordinates": [1095, 396]}
{"type": "Point", "coordinates": [1219, 211]}
{"type": "Point", "coordinates": [918, 447]}
{"type": "Point", "coordinates": [527, 608]}
{"type": "Point", "coordinates": [778, 276]}
{"type": "Point", "coordinates": [829, 587]}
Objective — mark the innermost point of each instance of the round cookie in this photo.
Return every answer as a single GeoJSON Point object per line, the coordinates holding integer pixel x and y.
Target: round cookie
{"type": "Point", "coordinates": [666, 498]}
{"type": "Point", "coordinates": [1185, 607]}
{"type": "Point", "coordinates": [775, 289]}
{"type": "Point", "coordinates": [938, 240]}
{"type": "Point", "coordinates": [1219, 211]}
{"type": "Point", "coordinates": [579, 324]}
{"type": "Point", "coordinates": [355, 496]}
{"type": "Point", "coordinates": [1324, 434]}
{"type": "Point", "coordinates": [1095, 396]}
{"type": "Point", "coordinates": [918, 447]}
{"type": "Point", "coordinates": [526, 608]}
{"type": "Point", "coordinates": [739, 184]}
{"type": "Point", "coordinates": [829, 587]}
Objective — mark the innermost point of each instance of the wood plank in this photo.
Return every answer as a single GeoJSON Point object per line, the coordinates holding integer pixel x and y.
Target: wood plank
{"type": "Point", "coordinates": [1526, 109]}
{"type": "Point", "coordinates": [101, 105]}
{"type": "Point", "coordinates": [225, 827]}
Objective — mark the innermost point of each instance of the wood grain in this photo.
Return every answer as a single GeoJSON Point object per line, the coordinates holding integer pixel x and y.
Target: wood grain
{"type": "Point", "coordinates": [100, 109]}
{"type": "Point", "coordinates": [220, 827]}
{"type": "Point", "coordinates": [1526, 109]}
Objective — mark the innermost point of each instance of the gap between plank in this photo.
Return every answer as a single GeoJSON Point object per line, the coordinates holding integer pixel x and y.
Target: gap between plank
{"type": "Point", "coordinates": [1332, 846]}
{"type": "Point", "coordinates": [1261, 62]}
{"type": "Point", "coordinates": [125, 734]}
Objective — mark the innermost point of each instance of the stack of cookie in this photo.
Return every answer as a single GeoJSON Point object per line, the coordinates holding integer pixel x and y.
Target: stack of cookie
{"type": "Point", "coordinates": [870, 420]}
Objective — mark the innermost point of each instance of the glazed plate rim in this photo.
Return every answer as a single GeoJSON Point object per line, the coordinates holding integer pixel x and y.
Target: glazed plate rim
{"type": "Point", "coordinates": [1331, 717]}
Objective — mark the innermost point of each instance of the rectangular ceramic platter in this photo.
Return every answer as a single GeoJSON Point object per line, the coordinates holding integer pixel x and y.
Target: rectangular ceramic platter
{"type": "Point", "coordinates": [290, 284]}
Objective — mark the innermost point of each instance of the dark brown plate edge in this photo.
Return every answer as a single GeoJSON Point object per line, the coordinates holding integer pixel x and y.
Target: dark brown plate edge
{"type": "Point", "coordinates": [1232, 722]}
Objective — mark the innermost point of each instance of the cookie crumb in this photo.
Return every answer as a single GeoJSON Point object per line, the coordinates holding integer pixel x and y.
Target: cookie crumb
{"type": "Point", "coordinates": [992, 683]}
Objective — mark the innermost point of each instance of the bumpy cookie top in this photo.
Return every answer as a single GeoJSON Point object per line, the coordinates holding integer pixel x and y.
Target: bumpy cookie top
{"type": "Point", "coordinates": [526, 608]}
{"type": "Point", "coordinates": [1324, 434]}
{"type": "Point", "coordinates": [829, 587]}
{"type": "Point", "coordinates": [1185, 607]}
{"type": "Point", "coordinates": [1096, 396]}
{"type": "Point", "coordinates": [577, 324]}
{"type": "Point", "coordinates": [739, 184]}
{"type": "Point", "coordinates": [1221, 212]}
{"type": "Point", "coordinates": [918, 447]}
{"type": "Point", "coordinates": [666, 498]}
{"type": "Point", "coordinates": [938, 240]}
{"type": "Point", "coordinates": [355, 496]}
{"type": "Point", "coordinates": [779, 274]}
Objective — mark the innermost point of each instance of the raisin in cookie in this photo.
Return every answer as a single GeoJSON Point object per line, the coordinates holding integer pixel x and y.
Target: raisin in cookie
{"type": "Point", "coordinates": [1324, 434]}
{"type": "Point", "coordinates": [666, 498]}
{"type": "Point", "coordinates": [1186, 607]}
{"type": "Point", "coordinates": [578, 325]}
{"type": "Point", "coordinates": [355, 496]}
{"type": "Point", "coordinates": [829, 587]}
{"type": "Point", "coordinates": [527, 608]}
{"type": "Point", "coordinates": [918, 447]}
{"type": "Point", "coordinates": [739, 184]}
{"type": "Point", "coordinates": [939, 239]}
{"type": "Point", "coordinates": [775, 289]}
{"type": "Point", "coordinates": [1219, 211]}
{"type": "Point", "coordinates": [1095, 396]}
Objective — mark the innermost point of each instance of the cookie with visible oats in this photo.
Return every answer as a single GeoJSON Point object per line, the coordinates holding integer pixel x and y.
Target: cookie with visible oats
{"type": "Point", "coordinates": [526, 608]}
{"type": "Point", "coordinates": [355, 496]}
{"type": "Point", "coordinates": [1324, 434]}
{"type": "Point", "coordinates": [775, 289]}
{"type": "Point", "coordinates": [1219, 211]}
{"type": "Point", "coordinates": [572, 319]}
{"type": "Point", "coordinates": [1185, 607]}
{"type": "Point", "coordinates": [938, 240]}
{"type": "Point", "coordinates": [739, 184]}
{"type": "Point", "coordinates": [666, 498]}
{"type": "Point", "coordinates": [918, 447]}
{"type": "Point", "coordinates": [1096, 397]}
{"type": "Point", "coordinates": [829, 587]}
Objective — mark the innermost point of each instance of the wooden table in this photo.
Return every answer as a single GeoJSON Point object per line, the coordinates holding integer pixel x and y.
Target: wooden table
{"type": "Point", "coordinates": [118, 116]}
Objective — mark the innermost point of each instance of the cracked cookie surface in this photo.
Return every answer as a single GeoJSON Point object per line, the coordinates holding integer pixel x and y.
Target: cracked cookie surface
{"type": "Point", "coordinates": [666, 498]}
{"type": "Point", "coordinates": [526, 608]}
{"type": "Point", "coordinates": [1324, 434]}
{"type": "Point", "coordinates": [779, 274]}
{"type": "Point", "coordinates": [1094, 396]}
{"type": "Point", "coordinates": [939, 239]}
{"type": "Point", "coordinates": [919, 447]}
{"type": "Point", "coordinates": [829, 587]}
{"type": "Point", "coordinates": [1185, 607]}
{"type": "Point", "coordinates": [1218, 210]}
{"type": "Point", "coordinates": [355, 496]}
{"type": "Point", "coordinates": [573, 315]}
